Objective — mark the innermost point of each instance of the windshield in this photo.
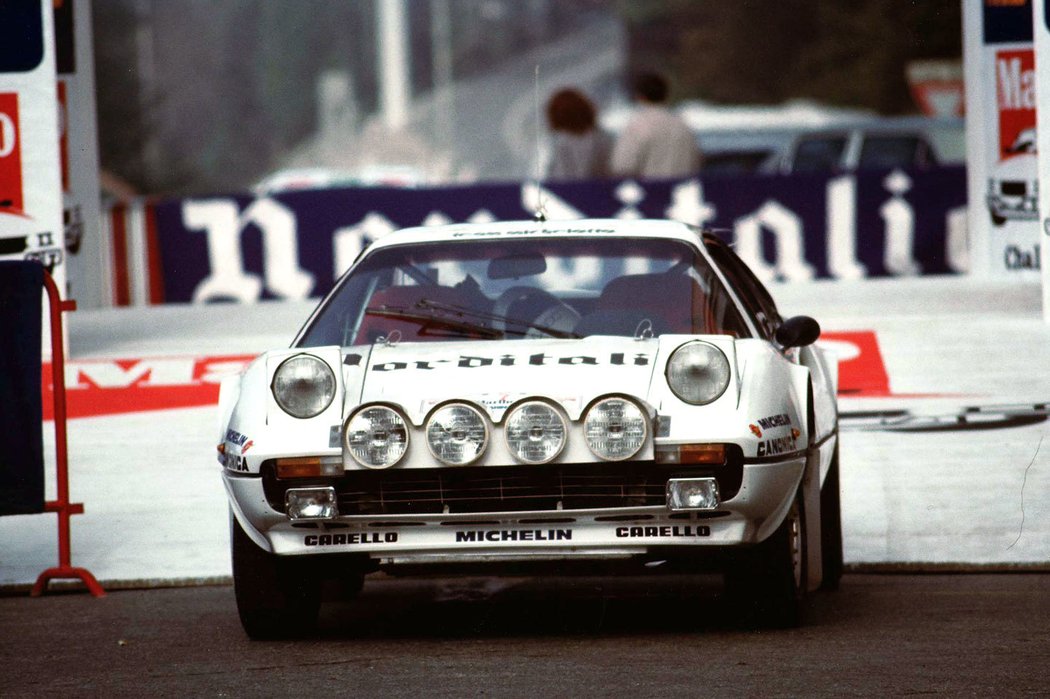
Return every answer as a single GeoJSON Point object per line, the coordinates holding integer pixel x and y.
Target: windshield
{"type": "Point", "coordinates": [494, 290]}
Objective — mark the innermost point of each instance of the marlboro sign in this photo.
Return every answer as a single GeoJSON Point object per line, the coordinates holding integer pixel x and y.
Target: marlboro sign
{"type": "Point", "coordinates": [31, 225]}
{"type": "Point", "coordinates": [11, 201]}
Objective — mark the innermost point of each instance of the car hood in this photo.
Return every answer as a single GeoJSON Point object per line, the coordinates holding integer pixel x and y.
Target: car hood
{"type": "Point", "coordinates": [495, 375]}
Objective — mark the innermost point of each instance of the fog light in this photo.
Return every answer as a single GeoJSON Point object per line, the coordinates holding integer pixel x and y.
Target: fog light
{"type": "Point", "coordinates": [692, 494]}
{"type": "Point", "coordinates": [311, 503]}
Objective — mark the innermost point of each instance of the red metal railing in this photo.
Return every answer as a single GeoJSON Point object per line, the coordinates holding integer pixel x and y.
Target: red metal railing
{"type": "Point", "coordinates": [62, 505]}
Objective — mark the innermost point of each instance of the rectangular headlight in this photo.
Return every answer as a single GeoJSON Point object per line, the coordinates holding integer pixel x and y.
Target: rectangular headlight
{"type": "Point", "coordinates": [692, 494]}
{"type": "Point", "coordinates": [311, 503]}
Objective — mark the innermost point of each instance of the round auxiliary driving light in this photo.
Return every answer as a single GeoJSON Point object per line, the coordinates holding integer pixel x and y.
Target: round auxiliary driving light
{"type": "Point", "coordinates": [303, 386]}
{"type": "Point", "coordinates": [698, 372]}
{"type": "Point", "coordinates": [456, 434]}
{"type": "Point", "coordinates": [377, 437]}
{"type": "Point", "coordinates": [615, 428]}
{"type": "Point", "coordinates": [535, 432]}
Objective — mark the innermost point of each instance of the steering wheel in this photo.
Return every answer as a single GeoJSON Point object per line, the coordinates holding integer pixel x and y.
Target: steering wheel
{"type": "Point", "coordinates": [536, 306]}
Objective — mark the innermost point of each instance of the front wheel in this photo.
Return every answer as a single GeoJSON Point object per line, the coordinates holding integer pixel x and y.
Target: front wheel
{"type": "Point", "coordinates": [277, 597]}
{"type": "Point", "coordinates": [769, 580]}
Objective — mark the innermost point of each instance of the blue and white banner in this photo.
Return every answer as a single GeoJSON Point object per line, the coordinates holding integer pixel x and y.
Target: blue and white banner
{"type": "Point", "coordinates": [295, 245]}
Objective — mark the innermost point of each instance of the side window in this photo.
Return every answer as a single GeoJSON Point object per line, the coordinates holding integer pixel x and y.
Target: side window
{"type": "Point", "coordinates": [819, 153]}
{"type": "Point", "coordinates": [756, 299]}
{"type": "Point", "coordinates": [888, 152]}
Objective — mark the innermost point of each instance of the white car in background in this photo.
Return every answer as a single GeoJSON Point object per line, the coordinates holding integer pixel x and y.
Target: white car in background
{"type": "Point", "coordinates": [536, 393]}
{"type": "Point", "coordinates": [1013, 189]}
{"type": "Point", "coordinates": [313, 178]}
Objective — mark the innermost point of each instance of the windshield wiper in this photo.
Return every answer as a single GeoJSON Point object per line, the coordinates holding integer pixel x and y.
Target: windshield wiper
{"type": "Point", "coordinates": [469, 312]}
{"type": "Point", "coordinates": [431, 320]}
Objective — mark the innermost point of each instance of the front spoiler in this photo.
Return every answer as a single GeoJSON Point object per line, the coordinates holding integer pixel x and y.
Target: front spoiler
{"type": "Point", "coordinates": [765, 496]}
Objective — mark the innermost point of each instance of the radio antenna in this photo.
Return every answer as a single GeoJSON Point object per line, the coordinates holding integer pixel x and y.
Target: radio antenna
{"type": "Point", "coordinates": [541, 205]}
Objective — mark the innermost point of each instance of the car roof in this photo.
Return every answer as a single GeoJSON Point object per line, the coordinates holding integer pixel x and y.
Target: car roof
{"type": "Point", "coordinates": [581, 228]}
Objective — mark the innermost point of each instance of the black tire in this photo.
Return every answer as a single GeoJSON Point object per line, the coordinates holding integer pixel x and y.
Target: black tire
{"type": "Point", "coordinates": [277, 597]}
{"type": "Point", "coordinates": [831, 527]}
{"type": "Point", "coordinates": [997, 220]}
{"type": "Point", "coordinates": [350, 574]}
{"type": "Point", "coordinates": [768, 581]}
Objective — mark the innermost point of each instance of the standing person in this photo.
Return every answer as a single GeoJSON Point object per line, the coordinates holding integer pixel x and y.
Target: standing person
{"type": "Point", "coordinates": [655, 142]}
{"type": "Point", "coordinates": [579, 148]}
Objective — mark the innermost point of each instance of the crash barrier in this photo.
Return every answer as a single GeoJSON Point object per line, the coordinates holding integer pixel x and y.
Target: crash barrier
{"type": "Point", "coordinates": [22, 459]}
{"type": "Point", "coordinates": [293, 245]}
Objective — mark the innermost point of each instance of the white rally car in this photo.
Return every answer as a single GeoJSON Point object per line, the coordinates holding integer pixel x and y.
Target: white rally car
{"type": "Point", "coordinates": [536, 393]}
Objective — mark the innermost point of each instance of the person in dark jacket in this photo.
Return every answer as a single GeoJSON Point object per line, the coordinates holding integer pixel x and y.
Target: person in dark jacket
{"type": "Point", "coordinates": [579, 147]}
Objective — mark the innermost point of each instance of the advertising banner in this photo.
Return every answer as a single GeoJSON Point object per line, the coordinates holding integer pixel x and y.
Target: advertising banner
{"type": "Point", "coordinates": [295, 245]}
{"type": "Point", "coordinates": [30, 180]}
{"type": "Point", "coordinates": [1001, 137]}
{"type": "Point", "coordinates": [1041, 30]}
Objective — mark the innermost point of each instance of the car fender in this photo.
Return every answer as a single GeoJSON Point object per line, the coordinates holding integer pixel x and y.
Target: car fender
{"type": "Point", "coordinates": [229, 394]}
{"type": "Point", "coordinates": [812, 476]}
{"type": "Point", "coordinates": [823, 375]}
{"type": "Point", "coordinates": [243, 420]}
{"type": "Point", "coordinates": [771, 384]}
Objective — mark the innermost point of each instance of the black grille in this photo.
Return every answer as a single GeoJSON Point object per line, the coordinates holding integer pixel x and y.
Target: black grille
{"type": "Point", "coordinates": [1013, 188]}
{"type": "Point", "coordinates": [508, 488]}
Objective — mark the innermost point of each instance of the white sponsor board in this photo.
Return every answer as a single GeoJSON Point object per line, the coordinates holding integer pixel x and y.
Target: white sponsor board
{"type": "Point", "coordinates": [30, 179]}
{"type": "Point", "coordinates": [1001, 137]}
{"type": "Point", "coordinates": [1041, 32]}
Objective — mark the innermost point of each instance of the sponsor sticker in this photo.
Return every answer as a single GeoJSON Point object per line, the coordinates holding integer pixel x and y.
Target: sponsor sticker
{"type": "Point", "coordinates": [666, 531]}
{"type": "Point", "coordinates": [350, 539]}
{"type": "Point", "coordinates": [234, 462]}
{"type": "Point", "coordinates": [505, 360]}
{"type": "Point", "coordinates": [768, 423]}
{"type": "Point", "coordinates": [778, 445]}
{"type": "Point", "coordinates": [236, 438]}
{"type": "Point", "coordinates": [472, 536]}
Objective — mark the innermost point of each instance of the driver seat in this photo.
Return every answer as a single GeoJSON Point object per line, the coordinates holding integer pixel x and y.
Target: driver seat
{"type": "Point", "coordinates": [668, 301]}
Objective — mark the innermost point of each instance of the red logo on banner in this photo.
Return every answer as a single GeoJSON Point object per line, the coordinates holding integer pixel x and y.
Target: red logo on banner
{"type": "Point", "coordinates": [1015, 91]}
{"type": "Point", "coordinates": [10, 155]}
{"type": "Point", "coordinates": [116, 386]}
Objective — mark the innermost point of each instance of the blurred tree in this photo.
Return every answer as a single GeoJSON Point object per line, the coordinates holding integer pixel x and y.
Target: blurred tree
{"type": "Point", "coordinates": [751, 51]}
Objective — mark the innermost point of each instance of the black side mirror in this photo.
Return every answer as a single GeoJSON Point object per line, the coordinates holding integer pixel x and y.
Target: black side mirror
{"type": "Point", "coordinates": [798, 331]}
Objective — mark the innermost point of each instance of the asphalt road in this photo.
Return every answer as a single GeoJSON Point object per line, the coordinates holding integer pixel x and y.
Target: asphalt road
{"type": "Point", "coordinates": [879, 635]}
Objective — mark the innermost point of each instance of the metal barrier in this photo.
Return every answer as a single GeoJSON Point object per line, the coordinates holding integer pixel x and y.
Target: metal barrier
{"type": "Point", "coordinates": [62, 506]}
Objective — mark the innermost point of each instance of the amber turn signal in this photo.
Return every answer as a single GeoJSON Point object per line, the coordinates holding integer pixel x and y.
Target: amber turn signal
{"type": "Point", "coordinates": [309, 466]}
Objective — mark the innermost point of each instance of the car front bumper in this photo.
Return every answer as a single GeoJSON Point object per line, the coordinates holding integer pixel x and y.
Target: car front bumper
{"type": "Point", "coordinates": [766, 491]}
